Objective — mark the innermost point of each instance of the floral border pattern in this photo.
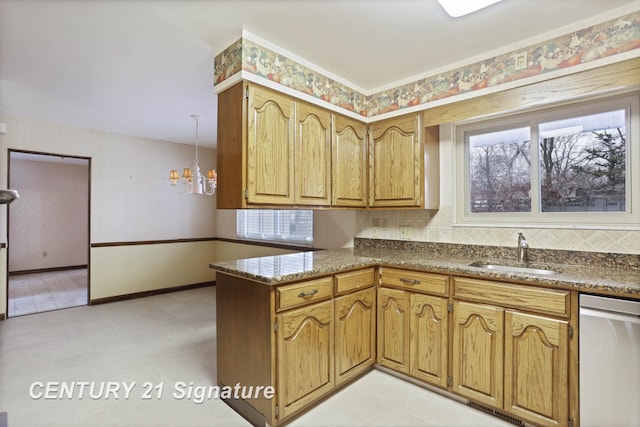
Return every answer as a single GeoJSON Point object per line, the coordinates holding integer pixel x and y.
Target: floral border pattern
{"type": "Point", "coordinates": [599, 41]}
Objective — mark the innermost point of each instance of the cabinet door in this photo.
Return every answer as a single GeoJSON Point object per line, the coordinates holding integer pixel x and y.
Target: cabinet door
{"type": "Point", "coordinates": [355, 333]}
{"type": "Point", "coordinates": [395, 164]}
{"type": "Point", "coordinates": [349, 162]}
{"type": "Point", "coordinates": [313, 155]}
{"type": "Point", "coordinates": [478, 344]}
{"type": "Point", "coordinates": [393, 329]}
{"type": "Point", "coordinates": [304, 356]}
{"type": "Point", "coordinates": [270, 139]}
{"type": "Point", "coordinates": [536, 368]}
{"type": "Point", "coordinates": [429, 343]}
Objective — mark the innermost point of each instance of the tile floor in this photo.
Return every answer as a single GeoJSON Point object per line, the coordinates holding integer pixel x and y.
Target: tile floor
{"type": "Point", "coordinates": [161, 341]}
{"type": "Point", "coordinates": [38, 292]}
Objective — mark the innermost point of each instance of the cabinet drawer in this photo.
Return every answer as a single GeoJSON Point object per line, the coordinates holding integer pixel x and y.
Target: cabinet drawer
{"type": "Point", "coordinates": [304, 292]}
{"type": "Point", "coordinates": [353, 280]}
{"type": "Point", "coordinates": [542, 300]}
{"type": "Point", "coordinates": [437, 284]}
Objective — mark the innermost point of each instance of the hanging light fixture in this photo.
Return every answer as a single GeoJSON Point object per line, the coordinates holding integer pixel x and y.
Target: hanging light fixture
{"type": "Point", "coordinates": [192, 179]}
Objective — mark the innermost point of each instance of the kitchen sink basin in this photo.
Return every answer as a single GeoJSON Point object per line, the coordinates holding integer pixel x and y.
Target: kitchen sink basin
{"type": "Point", "coordinates": [512, 268]}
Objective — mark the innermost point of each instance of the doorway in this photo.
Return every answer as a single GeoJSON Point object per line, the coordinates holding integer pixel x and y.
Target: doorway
{"type": "Point", "coordinates": [48, 232]}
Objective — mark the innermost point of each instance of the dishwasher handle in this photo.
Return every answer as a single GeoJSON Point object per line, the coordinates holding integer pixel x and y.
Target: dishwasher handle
{"type": "Point", "coordinates": [622, 317]}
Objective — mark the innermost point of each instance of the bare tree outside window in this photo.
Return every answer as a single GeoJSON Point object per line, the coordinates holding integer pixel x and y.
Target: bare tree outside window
{"type": "Point", "coordinates": [570, 164]}
{"type": "Point", "coordinates": [500, 171]}
{"type": "Point", "coordinates": [582, 166]}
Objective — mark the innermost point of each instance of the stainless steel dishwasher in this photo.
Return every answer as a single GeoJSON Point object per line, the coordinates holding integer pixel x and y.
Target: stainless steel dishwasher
{"type": "Point", "coordinates": [609, 362]}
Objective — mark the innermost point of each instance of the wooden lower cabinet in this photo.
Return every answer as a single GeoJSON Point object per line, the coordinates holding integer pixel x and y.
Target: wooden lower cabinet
{"type": "Point", "coordinates": [478, 346]}
{"type": "Point", "coordinates": [536, 367]}
{"type": "Point", "coordinates": [393, 329]}
{"type": "Point", "coordinates": [428, 325]}
{"type": "Point", "coordinates": [413, 334]}
{"type": "Point", "coordinates": [515, 354]}
{"type": "Point", "coordinates": [305, 356]}
{"type": "Point", "coordinates": [513, 361]}
{"type": "Point", "coordinates": [355, 347]}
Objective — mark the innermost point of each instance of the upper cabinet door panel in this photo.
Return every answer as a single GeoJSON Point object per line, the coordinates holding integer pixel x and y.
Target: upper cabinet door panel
{"type": "Point", "coordinates": [349, 162]}
{"type": "Point", "coordinates": [313, 155]}
{"type": "Point", "coordinates": [270, 140]}
{"type": "Point", "coordinates": [396, 162]}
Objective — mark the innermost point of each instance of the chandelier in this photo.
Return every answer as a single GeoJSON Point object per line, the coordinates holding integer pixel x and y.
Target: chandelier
{"type": "Point", "coordinates": [192, 180]}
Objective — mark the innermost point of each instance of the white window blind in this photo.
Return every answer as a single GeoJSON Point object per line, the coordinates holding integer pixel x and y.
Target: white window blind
{"type": "Point", "coordinates": [284, 226]}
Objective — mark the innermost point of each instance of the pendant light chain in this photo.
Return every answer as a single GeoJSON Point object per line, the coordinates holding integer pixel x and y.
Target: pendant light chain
{"type": "Point", "coordinates": [196, 119]}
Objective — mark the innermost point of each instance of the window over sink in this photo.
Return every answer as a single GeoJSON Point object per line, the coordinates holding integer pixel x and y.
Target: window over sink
{"type": "Point", "coordinates": [573, 164]}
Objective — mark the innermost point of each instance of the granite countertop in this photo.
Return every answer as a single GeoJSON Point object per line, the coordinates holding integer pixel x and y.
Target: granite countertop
{"type": "Point", "coordinates": [276, 270]}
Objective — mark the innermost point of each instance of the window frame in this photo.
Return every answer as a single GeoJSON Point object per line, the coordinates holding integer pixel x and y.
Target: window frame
{"type": "Point", "coordinates": [630, 219]}
{"type": "Point", "coordinates": [279, 237]}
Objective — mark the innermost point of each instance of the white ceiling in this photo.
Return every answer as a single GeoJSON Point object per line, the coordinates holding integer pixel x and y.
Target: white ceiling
{"type": "Point", "coordinates": [143, 67]}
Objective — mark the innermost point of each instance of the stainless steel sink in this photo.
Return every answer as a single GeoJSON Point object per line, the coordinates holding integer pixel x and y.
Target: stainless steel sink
{"type": "Point", "coordinates": [512, 268]}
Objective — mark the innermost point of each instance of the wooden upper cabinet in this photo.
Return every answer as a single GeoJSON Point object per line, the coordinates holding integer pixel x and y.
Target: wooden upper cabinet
{"type": "Point", "coordinates": [231, 151]}
{"type": "Point", "coordinates": [270, 142]}
{"type": "Point", "coordinates": [396, 163]}
{"type": "Point", "coordinates": [349, 162]}
{"type": "Point", "coordinates": [275, 151]}
{"type": "Point", "coordinates": [312, 156]}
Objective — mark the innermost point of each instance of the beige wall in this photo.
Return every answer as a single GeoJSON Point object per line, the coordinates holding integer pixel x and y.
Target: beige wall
{"type": "Point", "coordinates": [142, 268]}
{"type": "Point", "coordinates": [131, 201]}
{"type": "Point", "coordinates": [49, 224]}
{"type": "Point", "coordinates": [121, 270]}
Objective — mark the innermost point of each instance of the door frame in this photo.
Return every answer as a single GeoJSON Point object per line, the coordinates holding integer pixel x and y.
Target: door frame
{"type": "Point", "coordinates": [42, 153]}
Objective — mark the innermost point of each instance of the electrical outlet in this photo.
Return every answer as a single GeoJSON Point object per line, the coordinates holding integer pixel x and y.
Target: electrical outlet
{"type": "Point", "coordinates": [520, 61]}
{"type": "Point", "coordinates": [406, 232]}
{"type": "Point", "coordinates": [375, 231]}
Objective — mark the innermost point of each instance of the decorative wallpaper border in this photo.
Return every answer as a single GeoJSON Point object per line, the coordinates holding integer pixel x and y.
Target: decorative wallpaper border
{"type": "Point", "coordinates": [599, 41]}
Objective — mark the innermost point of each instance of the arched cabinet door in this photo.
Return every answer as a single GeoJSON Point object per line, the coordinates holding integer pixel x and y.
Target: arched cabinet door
{"type": "Point", "coordinates": [393, 329]}
{"type": "Point", "coordinates": [270, 142]}
{"type": "Point", "coordinates": [350, 187]}
{"type": "Point", "coordinates": [305, 362]}
{"type": "Point", "coordinates": [536, 368]}
{"type": "Point", "coordinates": [429, 339]}
{"type": "Point", "coordinates": [478, 348]}
{"type": "Point", "coordinates": [355, 333]}
{"type": "Point", "coordinates": [396, 178]}
{"type": "Point", "coordinates": [312, 155]}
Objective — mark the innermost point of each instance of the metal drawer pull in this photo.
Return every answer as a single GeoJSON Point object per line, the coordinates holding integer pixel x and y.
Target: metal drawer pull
{"type": "Point", "coordinates": [409, 281]}
{"type": "Point", "coordinates": [308, 294]}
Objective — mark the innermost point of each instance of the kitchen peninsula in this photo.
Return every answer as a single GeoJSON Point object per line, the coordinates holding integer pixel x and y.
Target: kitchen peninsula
{"type": "Point", "coordinates": [308, 323]}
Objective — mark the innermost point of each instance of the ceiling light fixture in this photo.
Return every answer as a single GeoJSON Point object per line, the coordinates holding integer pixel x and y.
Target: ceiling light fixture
{"type": "Point", "coordinates": [192, 179]}
{"type": "Point", "coordinates": [457, 8]}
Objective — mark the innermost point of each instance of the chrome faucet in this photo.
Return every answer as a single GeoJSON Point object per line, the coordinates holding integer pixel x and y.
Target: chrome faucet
{"type": "Point", "coordinates": [523, 248]}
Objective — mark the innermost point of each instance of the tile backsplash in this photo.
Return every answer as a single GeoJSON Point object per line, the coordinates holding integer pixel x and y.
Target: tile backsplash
{"type": "Point", "coordinates": [437, 226]}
